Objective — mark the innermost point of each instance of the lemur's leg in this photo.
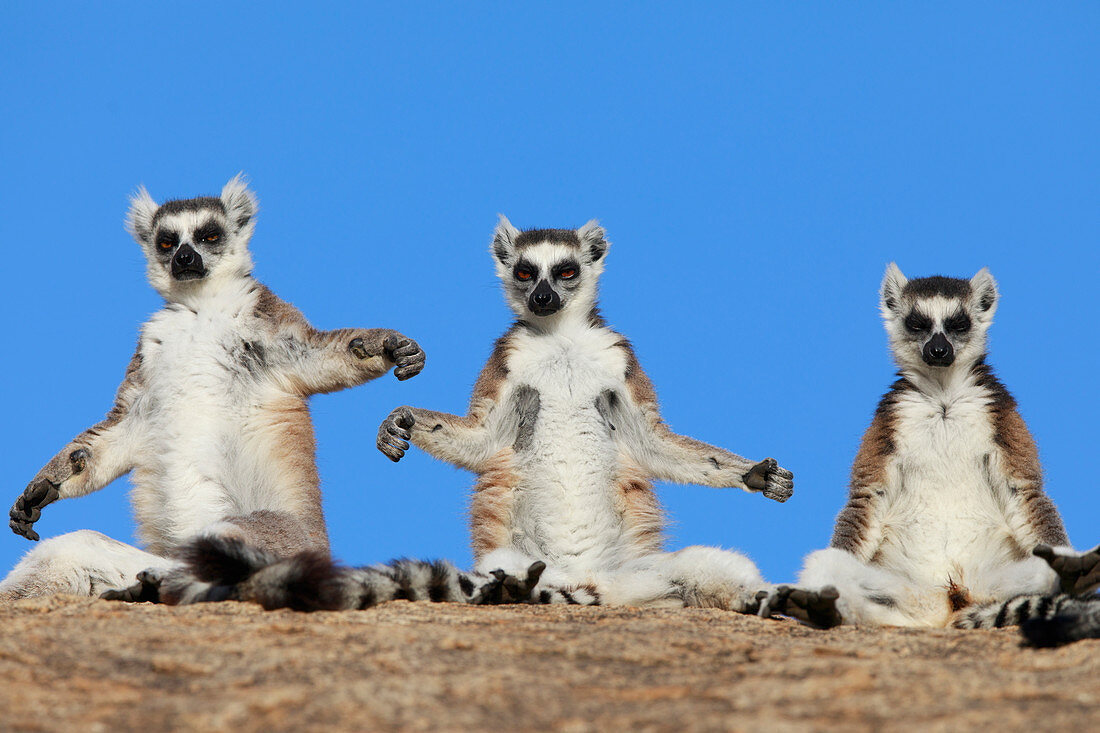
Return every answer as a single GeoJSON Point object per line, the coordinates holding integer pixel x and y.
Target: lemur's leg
{"type": "Point", "coordinates": [836, 587]}
{"type": "Point", "coordinates": [551, 586]}
{"type": "Point", "coordinates": [1003, 580]}
{"type": "Point", "coordinates": [704, 577]}
{"type": "Point", "coordinates": [1078, 573]}
{"type": "Point", "coordinates": [92, 460]}
{"type": "Point", "coordinates": [84, 563]}
{"type": "Point", "coordinates": [681, 459]}
{"type": "Point", "coordinates": [347, 357]}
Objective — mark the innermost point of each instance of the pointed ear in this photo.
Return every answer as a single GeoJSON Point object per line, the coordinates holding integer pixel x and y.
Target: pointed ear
{"type": "Point", "coordinates": [893, 282]}
{"type": "Point", "coordinates": [594, 242]}
{"type": "Point", "coordinates": [504, 241]}
{"type": "Point", "coordinates": [983, 289]}
{"type": "Point", "coordinates": [139, 219]}
{"type": "Point", "coordinates": [240, 204]}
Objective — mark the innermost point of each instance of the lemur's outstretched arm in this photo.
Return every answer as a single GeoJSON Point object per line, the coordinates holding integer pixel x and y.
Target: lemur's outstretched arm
{"type": "Point", "coordinates": [672, 457]}
{"type": "Point", "coordinates": [462, 441]}
{"type": "Point", "coordinates": [467, 442]}
{"type": "Point", "coordinates": [315, 362]}
{"type": "Point", "coordinates": [89, 462]}
{"type": "Point", "coordinates": [347, 357]}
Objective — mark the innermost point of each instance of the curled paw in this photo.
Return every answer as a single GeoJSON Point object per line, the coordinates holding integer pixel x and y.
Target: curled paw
{"type": "Point", "coordinates": [815, 608]}
{"type": "Point", "coordinates": [1078, 573]}
{"type": "Point", "coordinates": [393, 433]}
{"type": "Point", "coordinates": [505, 588]}
{"type": "Point", "coordinates": [407, 356]}
{"type": "Point", "coordinates": [145, 590]}
{"type": "Point", "coordinates": [774, 482]}
{"type": "Point", "coordinates": [28, 507]}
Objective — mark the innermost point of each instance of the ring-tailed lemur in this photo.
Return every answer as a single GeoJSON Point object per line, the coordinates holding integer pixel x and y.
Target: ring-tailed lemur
{"type": "Point", "coordinates": [212, 416]}
{"type": "Point", "coordinates": [946, 502]}
{"type": "Point", "coordinates": [564, 433]}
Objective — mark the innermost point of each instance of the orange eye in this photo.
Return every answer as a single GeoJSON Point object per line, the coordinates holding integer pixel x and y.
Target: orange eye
{"type": "Point", "coordinates": [165, 245]}
{"type": "Point", "coordinates": [211, 238]}
{"type": "Point", "coordinates": [567, 274]}
{"type": "Point", "coordinates": [523, 274]}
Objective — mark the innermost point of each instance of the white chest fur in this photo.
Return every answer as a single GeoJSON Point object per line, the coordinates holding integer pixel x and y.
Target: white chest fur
{"type": "Point", "coordinates": [566, 507]}
{"type": "Point", "coordinates": [204, 388]}
{"type": "Point", "coordinates": [943, 516]}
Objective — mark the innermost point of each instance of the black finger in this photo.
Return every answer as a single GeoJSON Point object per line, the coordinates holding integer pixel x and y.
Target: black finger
{"type": "Point", "coordinates": [36, 492]}
{"type": "Point", "coordinates": [534, 573]}
{"type": "Point", "coordinates": [1044, 551]}
{"type": "Point", "coordinates": [394, 342]}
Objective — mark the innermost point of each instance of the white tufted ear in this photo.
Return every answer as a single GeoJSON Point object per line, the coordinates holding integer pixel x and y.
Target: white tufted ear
{"type": "Point", "coordinates": [139, 219]}
{"type": "Point", "coordinates": [893, 283]}
{"type": "Point", "coordinates": [504, 241]}
{"type": "Point", "coordinates": [593, 241]}
{"type": "Point", "coordinates": [983, 289]}
{"type": "Point", "coordinates": [240, 205]}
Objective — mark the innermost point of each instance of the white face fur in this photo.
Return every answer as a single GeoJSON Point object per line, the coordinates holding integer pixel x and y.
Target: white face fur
{"type": "Point", "coordinates": [937, 324]}
{"type": "Point", "coordinates": [190, 244]}
{"type": "Point", "coordinates": [549, 274]}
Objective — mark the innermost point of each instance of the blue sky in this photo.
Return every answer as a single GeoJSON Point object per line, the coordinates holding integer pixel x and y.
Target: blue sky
{"type": "Point", "coordinates": [756, 167]}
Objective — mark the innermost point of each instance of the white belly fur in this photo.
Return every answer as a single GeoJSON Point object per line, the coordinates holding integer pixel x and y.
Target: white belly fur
{"type": "Point", "coordinates": [204, 455]}
{"type": "Point", "coordinates": [566, 509]}
{"type": "Point", "coordinates": [943, 519]}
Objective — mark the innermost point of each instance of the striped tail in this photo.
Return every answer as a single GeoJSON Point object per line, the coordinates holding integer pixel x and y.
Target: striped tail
{"type": "Point", "coordinates": [221, 568]}
{"type": "Point", "coordinates": [1078, 619]}
{"type": "Point", "coordinates": [1035, 612]}
{"type": "Point", "coordinates": [226, 568]}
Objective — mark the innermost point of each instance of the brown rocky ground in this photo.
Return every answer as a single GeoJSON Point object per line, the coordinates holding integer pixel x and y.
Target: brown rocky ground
{"type": "Point", "coordinates": [79, 664]}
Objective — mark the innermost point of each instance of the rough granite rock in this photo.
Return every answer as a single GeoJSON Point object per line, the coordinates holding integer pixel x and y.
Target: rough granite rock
{"type": "Point", "coordinates": [79, 664]}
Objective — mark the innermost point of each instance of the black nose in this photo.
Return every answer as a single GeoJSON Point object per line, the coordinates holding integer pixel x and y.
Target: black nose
{"type": "Point", "coordinates": [938, 351]}
{"type": "Point", "coordinates": [544, 300]}
{"type": "Point", "coordinates": [187, 264]}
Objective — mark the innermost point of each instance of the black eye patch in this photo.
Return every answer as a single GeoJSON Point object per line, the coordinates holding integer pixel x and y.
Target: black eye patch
{"type": "Point", "coordinates": [525, 271]}
{"type": "Point", "coordinates": [209, 233]}
{"type": "Point", "coordinates": [567, 270]}
{"type": "Point", "coordinates": [917, 322]}
{"type": "Point", "coordinates": [958, 323]}
{"type": "Point", "coordinates": [166, 240]}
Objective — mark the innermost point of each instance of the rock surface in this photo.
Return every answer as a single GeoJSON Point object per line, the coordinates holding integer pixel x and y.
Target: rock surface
{"type": "Point", "coordinates": [79, 664]}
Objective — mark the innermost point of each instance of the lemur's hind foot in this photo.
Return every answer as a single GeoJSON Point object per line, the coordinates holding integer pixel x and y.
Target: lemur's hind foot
{"type": "Point", "coordinates": [1078, 574]}
{"type": "Point", "coordinates": [813, 608]}
{"type": "Point", "coordinates": [145, 590]}
{"type": "Point", "coordinates": [504, 588]}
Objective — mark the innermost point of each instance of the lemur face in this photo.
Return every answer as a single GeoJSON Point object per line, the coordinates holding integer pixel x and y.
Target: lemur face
{"type": "Point", "coordinates": [188, 242]}
{"type": "Point", "coordinates": [549, 271]}
{"type": "Point", "coordinates": [937, 321]}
